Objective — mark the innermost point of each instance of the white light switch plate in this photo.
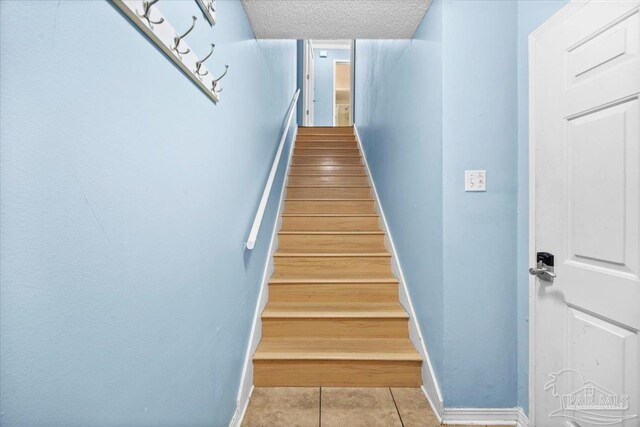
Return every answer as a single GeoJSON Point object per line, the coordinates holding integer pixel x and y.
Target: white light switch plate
{"type": "Point", "coordinates": [475, 180]}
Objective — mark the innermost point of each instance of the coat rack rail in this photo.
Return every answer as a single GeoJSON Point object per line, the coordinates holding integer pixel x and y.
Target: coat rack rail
{"type": "Point", "coordinates": [149, 19]}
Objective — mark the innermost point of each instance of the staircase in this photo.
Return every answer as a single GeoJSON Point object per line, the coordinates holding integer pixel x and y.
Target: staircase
{"type": "Point", "coordinates": [333, 316]}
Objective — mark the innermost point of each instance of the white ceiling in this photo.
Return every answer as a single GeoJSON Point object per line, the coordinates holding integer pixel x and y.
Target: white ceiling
{"type": "Point", "coordinates": [335, 19]}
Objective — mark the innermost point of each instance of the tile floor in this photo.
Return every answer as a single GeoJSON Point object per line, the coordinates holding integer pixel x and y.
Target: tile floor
{"type": "Point", "coordinates": [338, 407]}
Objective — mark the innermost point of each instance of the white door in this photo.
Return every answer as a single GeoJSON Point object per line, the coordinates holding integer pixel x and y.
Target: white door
{"type": "Point", "coordinates": [585, 82]}
{"type": "Point", "coordinates": [308, 94]}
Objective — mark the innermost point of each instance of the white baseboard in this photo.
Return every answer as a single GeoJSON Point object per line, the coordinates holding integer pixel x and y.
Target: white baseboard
{"type": "Point", "coordinates": [430, 383]}
{"type": "Point", "coordinates": [246, 382]}
{"type": "Point", "coordinates": [488, 416]}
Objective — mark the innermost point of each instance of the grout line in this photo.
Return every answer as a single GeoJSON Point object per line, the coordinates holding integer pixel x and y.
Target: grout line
{"type": "Point", "coordinates": [396, 405]}
{"type": "Point", "coordinates": [320, 410]}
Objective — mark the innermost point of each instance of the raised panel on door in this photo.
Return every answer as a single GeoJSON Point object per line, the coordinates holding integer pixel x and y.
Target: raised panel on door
{"type": "Point", "coordinates": [603, 361]}
{"type": "Point", "coordinates": [604, 194]}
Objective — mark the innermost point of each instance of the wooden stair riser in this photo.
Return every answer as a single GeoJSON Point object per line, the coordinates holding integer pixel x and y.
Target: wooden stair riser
{"type": "Point", "coordinates": [346, 267]}
{"type": "Point", "coordinates": [329, 206]}
{"type": "Point", "coordinates": [325, 161]}
{"type": "Point", "coordinates": [371, 327]}
{"type": "Point", "coordinates": [330, 223]}
{"type": "Point", "coordinates": [328, 193]}
{"type": "Point", "coordinates": [331, 243]}
{"type": "Point", "coordinates": [326, 152]}
{"type": "Point", "coordinates": [326, 144]}
{"type": "Point", "coordinates": [334, 292]}
{"type": "Point", "coordinates": [329, 181]}
{"type": "Point", "coordinates": [330, 373]}
{"type": "Point", "coordinates": [327, 136]}
{"type": "Point", "coordinates": [327, 170]}
{"type": "Point", "coordinates": [327, 140]}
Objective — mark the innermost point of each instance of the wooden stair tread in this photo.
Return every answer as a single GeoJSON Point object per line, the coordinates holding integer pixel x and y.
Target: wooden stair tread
{"type": "Point", "coordinates": [327, 156]}
{"type": "Point", "coordinates": [339, 310]}
{"type": "Point", "coordinates": [333, 200]}
{"type": "Point", "coordinates": [346, 281]}
{"type": "Point", "coordinates": [322, 148]}
{"type": "Point", "coordinates": [297, 278]}
{"type": "Point", "coordinates": [329, 186]}
{"type": "Point", "coordinates": [334, 254]}
{"type": "Point", "coordinates": [395, 349]}
{"type": "Point", "coordinates": [332, 232]}
{"type": "Point", "coordinates": [328, 174]}
{"type": "Point", "coordinates": [326, 140]}
{"type": "Point", "coordinates": [330, 214]}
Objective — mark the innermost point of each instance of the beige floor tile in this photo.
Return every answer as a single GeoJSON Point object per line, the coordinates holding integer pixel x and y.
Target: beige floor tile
{"type": "Point", "coordinates": [358, 407]}
{"type": "Point", "coordinates": [283, 407]}
{"type": "Point", "coordinates": [414, 408]}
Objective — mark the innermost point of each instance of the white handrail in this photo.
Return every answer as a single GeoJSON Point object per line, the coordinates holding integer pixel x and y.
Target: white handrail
{"type": "Point", "coordinates": [255, 228]}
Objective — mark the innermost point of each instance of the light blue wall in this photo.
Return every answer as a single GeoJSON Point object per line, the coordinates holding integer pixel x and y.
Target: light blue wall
{"type": "Point", "coordinates": [531, 14]}
{"type": "Point", "coordinates": [323, 85]}
{"type": "Point", "coordinates": [479, 132]}
{"type": "Point", "coordinates": [401, 128]}
{"type": "Point", "coordinates": [453, 108]}
{"type": "Point", "coordinates": [126, 196]}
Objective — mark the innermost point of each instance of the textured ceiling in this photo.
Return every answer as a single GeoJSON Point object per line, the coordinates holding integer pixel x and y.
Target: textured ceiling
{"type": "Point", "coordinates": [335, 19]}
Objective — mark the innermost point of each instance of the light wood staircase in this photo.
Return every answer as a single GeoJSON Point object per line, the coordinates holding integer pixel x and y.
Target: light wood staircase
{"type": "Point", "coordinates": [333, 316]}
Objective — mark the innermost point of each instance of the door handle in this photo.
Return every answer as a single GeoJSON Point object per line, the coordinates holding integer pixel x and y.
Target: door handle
{"type": "Point", "coordinates": [544, 268]}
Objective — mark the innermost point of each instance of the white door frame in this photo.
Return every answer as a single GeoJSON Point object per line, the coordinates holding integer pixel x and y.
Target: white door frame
{"type": "Point", "coordinates": [307, 86]}
{"type": "Point", "coordinates": [352, 101]}
{"type": "Point", "coordinates": [333, 90]}
{"type": "Point", "coordinates": [556, 19]}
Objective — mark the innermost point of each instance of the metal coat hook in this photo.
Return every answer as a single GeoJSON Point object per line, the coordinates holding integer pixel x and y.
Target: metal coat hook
{"type": "Point", "coordinates": [177, 39]}
{"type": "Point", "coordinates": [146, 15]}
{"type": "Point", "coordinates": [199, 63]}
{"type": "Point", "coordinates": [214, 83]}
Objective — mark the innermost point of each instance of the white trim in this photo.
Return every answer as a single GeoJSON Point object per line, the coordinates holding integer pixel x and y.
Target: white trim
{"type": "Point", "coordinates": [555, 19]}
{"type": "Point", "coordinates": [484, 416]}
{"type": "Point", "coordinates": [523, 420]}
{"type": "Point", "coordinates": [208, 10]}
{"type": "Point", "coordinates": [307, 93]}
{"type": "Point", "coordinates": [430, 383]}
{"type": "Point", "coordinates": [352, 83]}
{"type": "Point", "coordinates": [333, 89]}
{"type": "Point", "coordinates": [246, 381]}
